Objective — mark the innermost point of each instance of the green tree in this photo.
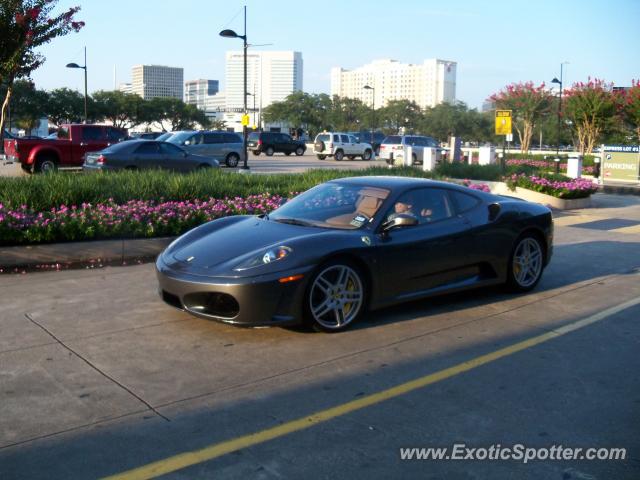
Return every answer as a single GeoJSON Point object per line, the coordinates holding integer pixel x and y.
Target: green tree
{"type": "Point", "coordinates": [28, 105]}
{"type": "Point", "coordinates": [528, 104]}
{"type": "Point", "coordinates": [591, 108]}
{"type": "Point", "coordinates": [629, 104]}
{"type": "Point", "coordinates": [66, 105]}
{"type": "Point", "coordinates": [397, 114]}
{"type": "Point", "coordinates": [123, 110]}
{"type": "Point", "coordinates": [26, 25]}
{"type": "Point", "coordinates": [179, 115]}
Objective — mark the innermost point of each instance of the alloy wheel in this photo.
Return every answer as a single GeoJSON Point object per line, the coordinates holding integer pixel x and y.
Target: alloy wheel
{"type": "Point", "coordinates": [527, 262]}
{"type": "Point", "coordinates": [336, 297]}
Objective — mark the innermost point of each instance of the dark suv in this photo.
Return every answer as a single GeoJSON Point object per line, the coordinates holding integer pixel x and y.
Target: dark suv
{"type": "Point", "coordinates": [272, 142]}
{"type": "Point", "coordinates": [372, 138]}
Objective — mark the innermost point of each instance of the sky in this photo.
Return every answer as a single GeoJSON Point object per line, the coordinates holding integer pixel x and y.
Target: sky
{"type": "Point", "coordinates": [495, 43]}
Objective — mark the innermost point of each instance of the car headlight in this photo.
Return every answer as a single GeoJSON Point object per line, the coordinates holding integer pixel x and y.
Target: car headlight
{"type": "Point", "coordinates": [269, 256]}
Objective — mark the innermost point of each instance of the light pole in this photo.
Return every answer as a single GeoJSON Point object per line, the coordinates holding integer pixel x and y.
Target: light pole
{"type": "Point", "coordinates": [232, 34]}
{"type": "Point", "coordinates": [75, 65]}
{"type": "Point", "coordinates": [373, 107]}
{"type": "Point", "coordinates": [559, 82]}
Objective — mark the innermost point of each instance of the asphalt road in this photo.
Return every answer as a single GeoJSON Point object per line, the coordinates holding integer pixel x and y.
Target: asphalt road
{"type": "Point", "coordinates": [98, 376]}
{"type": "Point", "coordinates": [278, 163]}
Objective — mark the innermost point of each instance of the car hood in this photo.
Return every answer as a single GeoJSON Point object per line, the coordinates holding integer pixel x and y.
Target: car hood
{"type": "Point", "coordinates": [218, 252]}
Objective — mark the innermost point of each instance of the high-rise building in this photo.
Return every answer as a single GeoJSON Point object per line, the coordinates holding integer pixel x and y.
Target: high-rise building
{"type": "Point", "coordinates": [271, 77]}
{"type": "Point", "coordinates": [197, 91]}
{"type": "Point", "coordinates": [150, 81]}
{"type": "Point", "coordinates": [427, 84]}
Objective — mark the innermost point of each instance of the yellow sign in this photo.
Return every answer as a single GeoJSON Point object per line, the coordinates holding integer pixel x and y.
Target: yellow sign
{"type": "Point", "coordinates": [503, 122]}
{"type": "Point", "coordinates": [245, 120]}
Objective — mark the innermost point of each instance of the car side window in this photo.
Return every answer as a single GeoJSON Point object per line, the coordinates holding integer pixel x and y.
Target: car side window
{"type": "Point", "coordinates": [231, 138]}
{"type": "Point", "coordinates": [344, 138]}
{"type": "Point", "coordinates": [115, 135]}
{"type": "Point", "coordinates": [463, 201]}
{"type": "Point", "coordinates": [285, 138]}
{"type": "Point", "coordinates": [92, 134]}
{"type": "Point", "coordinates": [336, 138]}
{"type": "Point", "coordinates": [147, 148]}
{"type": "Point", "coordinates": [427, 205]}
{"type": "Point", "coordinates": [169, 149]}
{"type": "Point", "coordinates": [352, 139]}
{"type": "Point", "coordinates": [194, 139]}
{"type": "Point", "coordinates": [212, 138]}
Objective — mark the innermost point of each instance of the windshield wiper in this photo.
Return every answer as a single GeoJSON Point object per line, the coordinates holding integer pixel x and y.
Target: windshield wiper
{"type": "Point", "coordinates": [294, 221]}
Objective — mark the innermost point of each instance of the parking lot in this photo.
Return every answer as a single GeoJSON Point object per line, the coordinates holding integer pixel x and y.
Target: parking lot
{"type": "Point", "coordinates": [99, 377]}
{"type": "Point", "coordinates": [278, 163]}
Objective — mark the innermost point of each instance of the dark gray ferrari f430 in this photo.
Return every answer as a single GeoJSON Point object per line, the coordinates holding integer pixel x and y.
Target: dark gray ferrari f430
{"type": "Point", "coordinates": [354, 244]}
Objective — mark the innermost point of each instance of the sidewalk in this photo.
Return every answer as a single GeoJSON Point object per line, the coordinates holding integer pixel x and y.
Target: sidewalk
{"type": "Point", "coordinates": [61, 255]}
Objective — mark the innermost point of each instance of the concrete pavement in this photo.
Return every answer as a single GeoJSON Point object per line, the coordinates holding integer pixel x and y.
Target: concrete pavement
{"type": "Point", "coordinates": [98, 376]}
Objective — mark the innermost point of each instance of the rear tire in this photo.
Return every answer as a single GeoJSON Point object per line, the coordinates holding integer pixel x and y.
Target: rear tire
{"type": "Point", "coordinates": [321, 157]}
{"type": "Point", "coordinates": [232, 160]}
{"type": "Point", "coordinates": [256, 152]}
{"type": "Point", "coordinates": [269, 151]}
{"type": "Point", "coordinates": [366, 156]}
{"type": "Point", "coordinates": [46, 164]}
{"type": "Point", "coordinates": [339, 155]}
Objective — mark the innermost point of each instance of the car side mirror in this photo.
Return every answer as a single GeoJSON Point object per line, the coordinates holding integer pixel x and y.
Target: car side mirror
{"type": "Point", "coordinates": [399, 221]}
{"type": "Point", "coordinates": [494, 211]}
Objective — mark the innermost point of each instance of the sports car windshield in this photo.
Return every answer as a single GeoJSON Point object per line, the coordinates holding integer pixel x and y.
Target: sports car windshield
{"type": "Point", "coordinates": [333, 205]}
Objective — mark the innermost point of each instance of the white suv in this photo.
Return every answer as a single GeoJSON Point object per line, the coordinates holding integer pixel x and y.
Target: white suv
{"type": "Point", "coordinates": [340, 145]}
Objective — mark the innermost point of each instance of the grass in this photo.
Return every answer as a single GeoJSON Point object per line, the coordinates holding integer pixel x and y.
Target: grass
{"type": "Point", "coordinates": [44, 192]}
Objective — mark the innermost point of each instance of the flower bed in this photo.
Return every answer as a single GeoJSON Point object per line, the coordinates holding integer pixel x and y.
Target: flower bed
{"type": "Point", "coordinates": [545, 165]}
{"type": "Point", "coordinates": [476, 186]}
{"type": "Point", "coordinates": [134, 219]}
{"type": "Point", "coordinates": [555, 186]}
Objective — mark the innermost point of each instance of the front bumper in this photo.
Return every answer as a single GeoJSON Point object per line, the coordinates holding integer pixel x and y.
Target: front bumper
{"type": "Point", "coordinates": [261, 300]}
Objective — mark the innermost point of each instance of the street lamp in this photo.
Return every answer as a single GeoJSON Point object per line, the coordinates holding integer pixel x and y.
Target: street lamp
{"type": "Point", "coordinates": [75, 65]}
{"type": "Point", "coordinates": [373, 107]}
{"type": "Point", "coordinates": [559, 82]}
{"type": "Point", "coordinates": [232, 34]}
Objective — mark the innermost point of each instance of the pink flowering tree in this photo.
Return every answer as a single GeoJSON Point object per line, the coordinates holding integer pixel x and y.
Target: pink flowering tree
{"type": "Point", "coordinates": [25, 26]}
{"type": "Point", "coordinates": [629, 105]}
{"type": "Point", "coordinates": [591, 108]}
{"type": "Point", "coordinates": [528, 103]}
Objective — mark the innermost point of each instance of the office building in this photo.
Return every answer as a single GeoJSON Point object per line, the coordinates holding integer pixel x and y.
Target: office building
{"type": "Point", "coordinates": [151, 81]}
{"type": "Point", "coordinates": [427, 84]}
{"type": "Point", "coordinates": [271, 77]}
{"type": "Point", "coordinates": [196, 92]}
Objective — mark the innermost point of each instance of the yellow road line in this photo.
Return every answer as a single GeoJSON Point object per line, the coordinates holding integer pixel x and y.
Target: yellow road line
{"type": "Point", "coordinates": [187, 459]}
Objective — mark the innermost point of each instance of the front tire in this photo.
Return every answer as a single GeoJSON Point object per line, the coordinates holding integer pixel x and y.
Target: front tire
{"type": "Point", "coordinates": [526, 264]}
{"type": "Point", "coordinates": [366, 156]}
{"type": "Point", "coordinates": [232, 160]}
{"type": "Point", "coordinates": [299, 151]}
{"type": "Point", "coordinates": [335, 297]}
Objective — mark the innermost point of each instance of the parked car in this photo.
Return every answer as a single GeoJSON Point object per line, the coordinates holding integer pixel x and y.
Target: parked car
{"type": "Point", "coordinates": [274, 142]}
{"type": "Point", "coordinates": [353, 244]}
{"type": "Point", "coordinates": [393, 146]}
{"type": "Point", "coordinates": [145, 155]}
{"type": "Point", "coordinates": [339, 145]}
{"type": "Point", "coordinates": [373, 138]}
{"type": "Point", "coordinates": [67, 149]}
{"type": "Point", "coordinates": [227, 146]}
{"type": "Point", "coordinates": [165, 136]}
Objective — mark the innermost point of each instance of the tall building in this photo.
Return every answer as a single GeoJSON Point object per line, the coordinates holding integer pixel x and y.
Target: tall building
{"type": "Point", "coordinates": [271, 77]}
{"type": "Point", "coordinates": [197, 91]}
{"type": "Point", "coordinates": [427, 84]}
{"type": "Point", "coordinates": [150, 81]}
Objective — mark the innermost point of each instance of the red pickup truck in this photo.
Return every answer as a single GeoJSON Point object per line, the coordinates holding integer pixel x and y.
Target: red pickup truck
{"type": "Point", "coordinates": [66, 148]}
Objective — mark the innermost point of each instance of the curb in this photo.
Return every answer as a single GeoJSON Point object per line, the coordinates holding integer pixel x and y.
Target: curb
{"type": "Point", "coordinates": [54, 255]}
{"type": "Point", "coordinates": [620, 189]}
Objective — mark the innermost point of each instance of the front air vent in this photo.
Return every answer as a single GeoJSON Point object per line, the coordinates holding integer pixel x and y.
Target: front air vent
{"type": "Point", "coordinates": [214, 304]}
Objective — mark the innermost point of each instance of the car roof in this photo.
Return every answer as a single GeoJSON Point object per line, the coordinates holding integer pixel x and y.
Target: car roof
{"type": "Point", "coordinates": [395, 182]}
